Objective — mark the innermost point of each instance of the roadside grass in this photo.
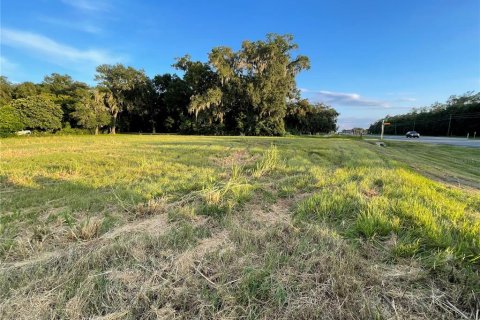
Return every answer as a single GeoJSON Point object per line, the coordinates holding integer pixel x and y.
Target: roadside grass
{"type": "Point", "coordinates": [450, 164]}
{"type": "Point", "coordinates": [135, 227]}
{"type": "Point", "coordinates": [443, 225]}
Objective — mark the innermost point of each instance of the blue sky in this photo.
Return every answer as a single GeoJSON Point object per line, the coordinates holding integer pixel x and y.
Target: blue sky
{"type": "Point", "coordinates": [369, 58]}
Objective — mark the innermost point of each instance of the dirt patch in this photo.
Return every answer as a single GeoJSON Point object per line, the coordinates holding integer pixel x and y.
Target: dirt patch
{"type": "Point", "coordinates": [240, 157]}
{"type": "Point", "coordinates": [370, 193]}
{"type": "Point", "coordinates": [278, 212]}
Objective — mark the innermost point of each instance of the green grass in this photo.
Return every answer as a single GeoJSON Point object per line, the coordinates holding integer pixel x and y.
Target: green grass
{"type": "Point", "coordinates": [450, 164]}
{"type": "Point", "coordinates": [254, 227]}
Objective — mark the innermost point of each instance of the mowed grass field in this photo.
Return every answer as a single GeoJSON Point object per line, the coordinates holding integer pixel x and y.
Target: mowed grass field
{"type": "Point", "coordinates": [145, 227]}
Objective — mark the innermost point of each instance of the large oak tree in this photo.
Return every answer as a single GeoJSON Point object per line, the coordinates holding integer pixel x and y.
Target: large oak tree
{"type": "Point", "coordinates": [245, 91]}
{"type": "Point", "coordinates": [122, 87]}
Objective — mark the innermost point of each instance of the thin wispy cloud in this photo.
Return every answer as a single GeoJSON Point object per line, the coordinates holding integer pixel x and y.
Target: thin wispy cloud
{"type": "Point", "coordinates": [352, 122]}
{"type": "Point", "coordinates": [406, 99]}
{"type": "Point", "coordinates": [346, 99]}
{"type": "Point", "coordinates": [89, 5]}
{"type": "Point", "coordinates": [362, 111]}
{"type": "Point", "coordinates": [400, 93]}
{"type": "Point", "coordinates": [12, 70]}
{"type": "Point", "coordinates": [84, 26]}
{"type": "Point", "coordinates": [7, 66]}
{"type": "Point", "coordinates": [343, 99]}
{"type": "Point", "coordinates": [53, 51]}
{"type": "Point", "coordinates": [402, 96]}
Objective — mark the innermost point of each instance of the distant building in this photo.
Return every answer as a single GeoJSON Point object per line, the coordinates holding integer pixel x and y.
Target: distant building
{"type": "Point", "coordinates": [359, 131]}
{"type": "Point", "coordinates": [354, 131]}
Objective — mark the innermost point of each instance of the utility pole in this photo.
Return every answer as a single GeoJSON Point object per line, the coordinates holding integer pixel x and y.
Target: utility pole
{"type": "Point", "coordinates": [449, 122]}
{"type": "Point", "coordinates": [383, 126]}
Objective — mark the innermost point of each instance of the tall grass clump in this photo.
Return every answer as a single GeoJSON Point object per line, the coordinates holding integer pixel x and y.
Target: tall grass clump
{"type": "Point", "coordinates": [327, 205]}
{"type": "Point", "coordinates": [376, 219]}
{"type": "Point", "coordinates": [373, 222]}
{"type": "Point", "coordinates": [219, 199]}
{"type": "Point", "coordinates": [269, 162]}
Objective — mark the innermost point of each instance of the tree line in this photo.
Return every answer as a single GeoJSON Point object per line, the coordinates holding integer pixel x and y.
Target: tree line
{"type": "Point", "coordinates": [251, 91]}
{"type": "Point", "coordinates": [458, 116]}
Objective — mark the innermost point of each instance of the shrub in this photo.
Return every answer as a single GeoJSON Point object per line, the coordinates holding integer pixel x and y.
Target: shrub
{"type": "Point", "coordinates": [10, 120]}
{"type": "Point", "coordinates": [68, 130]}
{"type": "Point", "coordinates": [38, 112]}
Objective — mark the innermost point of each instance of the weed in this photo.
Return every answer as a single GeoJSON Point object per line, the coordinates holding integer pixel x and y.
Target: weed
{"type": "Point", "coordinates": [269, 162]}
{"type": "Point", "coordinates": [87, 229]}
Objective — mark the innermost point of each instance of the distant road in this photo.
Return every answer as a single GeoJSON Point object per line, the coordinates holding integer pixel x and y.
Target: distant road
{"type": "Point", "coordinates": [437, 140]}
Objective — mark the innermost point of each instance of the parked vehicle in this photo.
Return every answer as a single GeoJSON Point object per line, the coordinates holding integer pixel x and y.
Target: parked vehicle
{"type": "Point", "coordinates": [23, 132]}
{"type": "Point", "coordinates": [412, 134]}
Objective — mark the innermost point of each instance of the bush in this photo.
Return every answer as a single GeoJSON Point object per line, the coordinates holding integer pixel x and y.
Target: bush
{"type": "Point", "coordinates": [38, 112]}
{"type": "Point", "coordinates": [68, 130]}
{"type": "Point", "coordinates": [10, 120]}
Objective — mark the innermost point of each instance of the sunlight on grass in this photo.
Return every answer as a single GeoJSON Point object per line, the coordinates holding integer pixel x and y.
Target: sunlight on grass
{"type": "Point", "coordinates": [96, 176]}
{"type": "Point", "coordinates": [253, 224]}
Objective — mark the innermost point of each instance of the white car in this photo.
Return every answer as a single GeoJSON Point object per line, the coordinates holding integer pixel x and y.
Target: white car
{"type": "Point", "coordinates": [23, 132]}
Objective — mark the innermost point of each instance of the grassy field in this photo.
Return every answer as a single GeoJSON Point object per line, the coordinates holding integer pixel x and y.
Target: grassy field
{"type": "Point", "coordinates": [140, 227]}
{"type": "Point", "coordinates": [457, 166]}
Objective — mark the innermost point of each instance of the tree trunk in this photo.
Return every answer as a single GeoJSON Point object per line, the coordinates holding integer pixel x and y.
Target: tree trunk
{"type": "Point", "coordinates": [153, 127]}
{"type": "Point", "coordinates": [114, 123]}
{"type": "Point", "coordinates": [96, 130]}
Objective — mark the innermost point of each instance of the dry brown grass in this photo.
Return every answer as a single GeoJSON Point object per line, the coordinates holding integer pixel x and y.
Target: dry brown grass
{"type": "Point", "coordinates": [185, 262]}
{"type": "Point", "coordinates": [173, 258]}
{"type": "Point", "coordinates": [151, 207]}
{"type": "Point", "coordinates": [87, 230]}
{"type": "Point", "coordinates": [239, 158]}
{"type": "Point", "coordinates": [250, 267]}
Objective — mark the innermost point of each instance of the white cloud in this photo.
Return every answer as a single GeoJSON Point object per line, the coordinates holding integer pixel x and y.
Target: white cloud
{"type": "Point", "coordinates": [73, 24]}
{"type": "Point", "coordinates": [407, 99]}
{"type": "Point", "coordinates": [89, 5]}
{"type": "Point", "coordinates": [348, 99]}
{"type": "Point", "coordinates": [358, 111]}
{"type": "Point", "coordinates": [355, 122]}
{"type": "Point", "coordinates": [342, 99]}
{"type": "Point", "coordinates": [54, 51]}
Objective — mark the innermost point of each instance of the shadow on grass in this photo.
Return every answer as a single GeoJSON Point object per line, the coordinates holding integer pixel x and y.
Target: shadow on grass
{"type": "Point", "coordinates": [36, 216]}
